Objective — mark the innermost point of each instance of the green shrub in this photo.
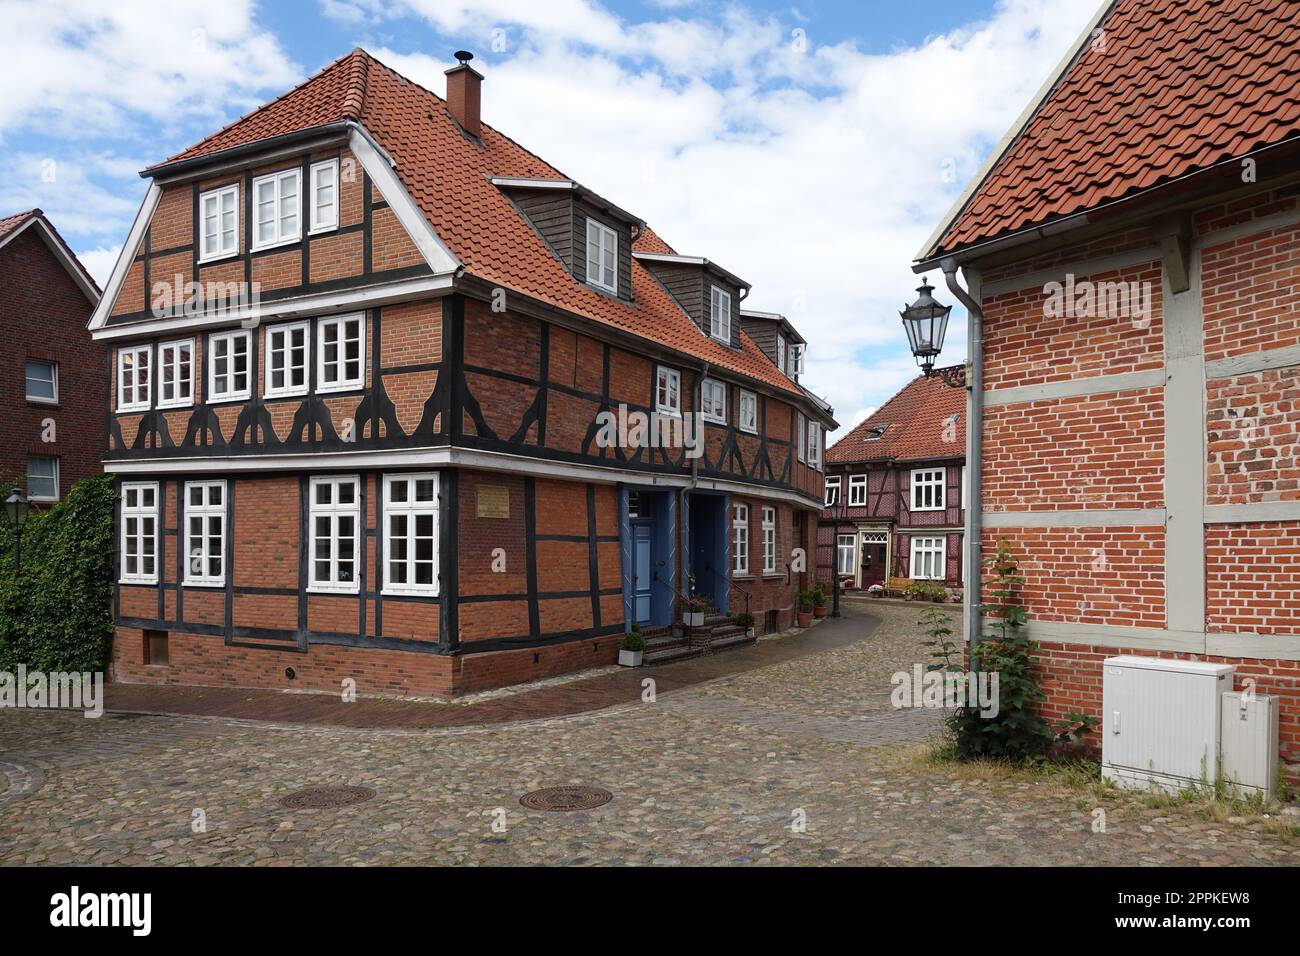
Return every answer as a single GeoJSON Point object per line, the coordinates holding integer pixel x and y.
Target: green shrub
{"type": "Point", "coordinates": [56, 613]}
{"type": "Point", "coordinates": [742, 619]}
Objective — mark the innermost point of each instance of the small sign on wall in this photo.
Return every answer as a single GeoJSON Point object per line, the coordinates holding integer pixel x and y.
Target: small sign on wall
{"type": "Point", "coordinates": [493, 501]}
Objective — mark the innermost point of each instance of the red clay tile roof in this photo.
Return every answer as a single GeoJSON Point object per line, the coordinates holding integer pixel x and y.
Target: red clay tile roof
{"type": "Point", "coordinates": [448, 177]}
{"type": "Point", "coordinates": [9, 223]}
{"type": "Point", "coordinates": [1179, 86]}
{"type": "Point", "coordinates": [920, 426]}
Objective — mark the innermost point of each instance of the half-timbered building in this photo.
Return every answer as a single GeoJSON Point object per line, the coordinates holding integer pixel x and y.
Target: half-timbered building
{"type": "Point", "coordinates": [385, 386]}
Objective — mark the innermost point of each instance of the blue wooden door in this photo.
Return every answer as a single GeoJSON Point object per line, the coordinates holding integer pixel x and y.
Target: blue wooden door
{"type": "Point", "coordinates": [643, 564]}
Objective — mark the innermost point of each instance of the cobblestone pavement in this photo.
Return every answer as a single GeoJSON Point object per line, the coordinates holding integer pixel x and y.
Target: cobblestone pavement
{"type": "Point", "coordinates": [716, 773]}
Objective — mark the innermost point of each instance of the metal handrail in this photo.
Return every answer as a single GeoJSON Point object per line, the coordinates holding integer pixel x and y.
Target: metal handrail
{"type": "Point", "coordinates": [731, 585]}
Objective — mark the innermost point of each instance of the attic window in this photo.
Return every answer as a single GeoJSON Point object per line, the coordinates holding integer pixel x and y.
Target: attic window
{"type": "Point", "coordinates": [796, 360]}
{"type": "Point", "coordinates": [780, 352]}
{"type": "Point", "coordinates": [875, 432]}
{"type": "Point", "coordinates": [602, 256]}
{"type": "Point", "coordinates": [719, 314]}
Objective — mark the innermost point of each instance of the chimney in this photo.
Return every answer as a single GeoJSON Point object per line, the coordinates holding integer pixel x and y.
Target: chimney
{"type": "Point", "coordinates": [463, 83]}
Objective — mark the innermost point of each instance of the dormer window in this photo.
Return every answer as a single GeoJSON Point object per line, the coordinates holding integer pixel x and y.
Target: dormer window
{"type": "Point", "coordinates": [602, 256]}
{"type": "Point", "coordinates": [780, 352]}
{"type": "Point", "coordinates": [275, 209]}
{"type": "Point", "coordinates": [719, 314]}
{"type": "Point", "coordinates": [219, 227]}
{"type": "Point", "coordinates": [324, 195]}
{"type": "Point", "coordinates": [796, 359]}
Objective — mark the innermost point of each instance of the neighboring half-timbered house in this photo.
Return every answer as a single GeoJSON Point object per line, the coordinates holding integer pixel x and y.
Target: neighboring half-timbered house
{"type": "Point", "coordinates": [895, 492]}
{"type": "Point", "coordinates": [378, 381]}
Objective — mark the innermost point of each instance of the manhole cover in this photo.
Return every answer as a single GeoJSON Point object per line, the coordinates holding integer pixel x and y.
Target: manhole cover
{"type": "Point", "coordinates": [324, 798]}
{"type": "Point", "coordinates": [566, 798]}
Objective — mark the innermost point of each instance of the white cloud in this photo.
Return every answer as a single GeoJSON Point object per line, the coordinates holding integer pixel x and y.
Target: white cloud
{"type": "Point", "coordinates": [99, 262]}
{"type": "Point", "coordinates": [79, 191]}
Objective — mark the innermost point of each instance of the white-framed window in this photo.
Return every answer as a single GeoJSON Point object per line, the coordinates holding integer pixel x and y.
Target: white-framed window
{"type": "Point", "coordinates": [832, 490]}
{"type": "Point", "coordinates": [713, 401]}
{"type": "Point", "coordinates": [176, 374]}
{"type": "Point", "coordinates": [927, 489]}
{"type": "Point", "coordinates": [602, 256]}
{"type": "Point", "coordinates": [815, 445]}
{"type": "Point", "coordinates": [748, 412]}
{"type": "Point", "coordinates": [288, 357]}
{"type": "Point", "coordinates": [740, 539]}
{"type": "Point", "coordinates": [219, 225]}
{"type": "Point", "coordinates": [133, 368]}
{"type": "Point", "coordinates": [799, 433]}
{"type": "Point", "coordinates": [927, 559]}
{"type": "Point", "coordinates": [769, 540]}
{"type": "Point", "coordinates": [335, 515]}
{"type": "Point", "coordinates": [230, 375]}
{"type": "Point", "coordinates": [780, 352]}
{"type": "Point", "coordinates": [668, 391]}
{"type": "Point", "coordinates": [857, 490]}
{"type": "Point", "coordinates": [205, 532]}
{"type": "Point", "coordinates": [411, 534]}
{"type": "Point", "coordinates": [796, 359]}
{"type": "Point", "coordinates": [324, 196]}
{"type": "Point", "coordinates": [275, 208]}
{"type": "Point", "coordinates": [720, 314]}
{"type": "Point", "coordinates": [846, 554]}
{"type": "Point", "coordinates": [139, 533]}
{"type": "Point", "coordinates": [42, 381]}
{"type": "Point", "coordinates": [341, 353]}
{"type": "Point", "coordinates": [42, 478]}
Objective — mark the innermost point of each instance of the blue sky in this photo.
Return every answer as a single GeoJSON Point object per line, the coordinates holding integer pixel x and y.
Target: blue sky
{"type": "Point", "coordinates": [809, 148]}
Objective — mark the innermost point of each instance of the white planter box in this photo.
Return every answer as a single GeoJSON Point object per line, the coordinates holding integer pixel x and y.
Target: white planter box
{"type": "Point", "coordinates": [630, 658]}
{"type": "Point", "coordinates": [693, 618]}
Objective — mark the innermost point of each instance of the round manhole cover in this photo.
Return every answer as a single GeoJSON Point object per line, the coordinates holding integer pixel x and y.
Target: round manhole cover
{"type": "Point", "coordinates": [566, 798]}
{"type": "Point", "coordinates": [324, 798]}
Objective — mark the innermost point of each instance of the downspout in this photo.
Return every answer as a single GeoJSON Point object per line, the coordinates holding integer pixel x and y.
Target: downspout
{"type": "Point", "coordinates": [974, 447]}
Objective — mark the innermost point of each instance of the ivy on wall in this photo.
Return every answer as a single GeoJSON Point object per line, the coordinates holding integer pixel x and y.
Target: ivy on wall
{"type": "Point", "coordinates": [56, 612]}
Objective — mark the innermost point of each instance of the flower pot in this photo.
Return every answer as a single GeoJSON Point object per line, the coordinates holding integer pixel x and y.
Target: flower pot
{"type": "Point", "coordinates": [630, 658]}
{"type": "Point", "coordinates": [805, 618]}
{"type": "Point", "coordinates": [819, 611]}
{"type": "Point", "coordinates": [693, 618]}
{"type": "Point", "coordinates": [749, 632]}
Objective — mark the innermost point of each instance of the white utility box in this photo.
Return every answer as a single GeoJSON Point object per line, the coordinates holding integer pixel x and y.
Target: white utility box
{"type": "Point", "coordinates": [1160, 721]}
{"type": "Point", "coordinates": [1248, 742]}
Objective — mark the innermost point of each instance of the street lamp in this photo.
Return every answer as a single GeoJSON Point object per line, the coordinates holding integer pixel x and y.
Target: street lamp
{"type": "Point", "coordinates": [926, 323]}
{"type": "Point", "coordinates": [16, 509]}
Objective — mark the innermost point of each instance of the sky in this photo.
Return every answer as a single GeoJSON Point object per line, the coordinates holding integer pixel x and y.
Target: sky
{"type": "Point", "coordinates": [809, 149]}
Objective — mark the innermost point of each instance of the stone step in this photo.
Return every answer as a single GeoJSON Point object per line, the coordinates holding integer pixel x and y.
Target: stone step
{"type": "Point", "coordinates": [739, 639]}
{"type": "Point", "coordinates": [661, 641]}
{"type": "Point", "coordinates": [707, 638]}
{"type": "Point", "coordinates": [668, 654]}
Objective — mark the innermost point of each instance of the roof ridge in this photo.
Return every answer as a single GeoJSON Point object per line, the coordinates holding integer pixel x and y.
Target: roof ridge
{"type": "Point", "coordinates": [354, 103]}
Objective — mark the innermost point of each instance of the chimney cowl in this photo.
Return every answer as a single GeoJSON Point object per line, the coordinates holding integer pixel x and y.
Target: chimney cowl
{"type": "Point", "coordinates": [463, 94]}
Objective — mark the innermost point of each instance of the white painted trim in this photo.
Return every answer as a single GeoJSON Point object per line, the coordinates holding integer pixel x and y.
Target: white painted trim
{"type": "Point", "coordinates": [604, 234]}
{"type": "Point", "coordinates": [1266, 360]}
{"type": "Point", "coordinates": [518, 182]}
{"type": "Point", "coordinates": [349, 300]}
{"type": "Point", "coordinates": [71, 264]}
{"type": "Point", "coordinates": [274, 178]}
{"type": "Point", "coordinates": [195, 373]}
{"type": "Point", "coordinates": [287, 391]}
{"type": "Point", "coordinates": [412, 218]}
{"type": "Point", "coordinates": [410, 510]}
{"type": "Point", "coordinates": [343, 384]}
{"type": "Point", "coordinates": [207, 258]}
{"type": "Point", "coordinates": [143, 217]}
{"type": "Point", "coordinates": [358, 531]}
{"type": "Point", "coordinates": [156, 512]}
{"type": "Point", "coordinates": [250, 373]}
{"type": "Point", "coordinates": [1094, 518]}
{"type": "Point", "coordinates": [942, 486]}
{"type": "Point", "coordinates": [1248, 645]}
{"type": "Point", "coordinates": [1281, 647]}
{"type": "Point", "coordinates": [1144, 255]}
{"type": "Point", "coordinates": [314, 228]}
{"type": "Point", "coordinates": [1075, 388]}
{"type": "Point", "coordinates": [1253, 512]}
{"type": "Point", "coordinates": [190, 578]}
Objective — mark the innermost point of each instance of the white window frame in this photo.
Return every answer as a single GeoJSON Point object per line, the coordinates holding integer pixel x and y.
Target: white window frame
{"type": "Point", "coordinates": [342, 384]}
{"type": "Point", "coordinates": [317, 170]}
{"type": "Point", "coordinates": [334, 511]}
{"type": "Point", "coordinates": [740, 539]}
{"type": "Point", "coordinates": [936, 550]}
{"type": "Point", "coordinates": [831, 493]}
{"type": "Point", "coordinates": [277, 180]}
{"type": "Point", "coordinates": [230, 394]}
{"type": "Point", "coordinates": [748, 423]}
{"type": "Point", "coordinates": [138, 391]}
{"type": "Point", "coordinates": [799, 440]}
{"type": "Point", "coordinates": [54, 459]}
{"type": "Point", "coordinates": [663, 374]}
{"type": "Point", "coordinates": [718, 399]}
{"type": "Point", "coordinates": [410, 509]}
{"type": "Point", "coordinates": [846, 543]}
{"type": "Point", "coordinates": [796, 358]}
{"type": "Point", "coordinates": [932, 480]}
{"type": "Point", "coordinates": [814, 445]}
{"type": "Point", "coordinates": [287, 329]}
{"type": "Point", "coordinates": [226, 201]}
{"type": "Point", "coordinates": [54, 381]}
{"type": "Point", "coordinates": [780, 352]}
{"type": "Point", "coordinates": [605, 239]}
{"type": "Point", "coordinates": [205, 511]}
{"type": "Point", "coordinates": [769, 539]}
{"type": "Point", "coordinates": [857, 491]}
{"type": "Point", "coordinates": [174, 365]}
{"type": "Point", "coordinates": [139, 513]}
{"type": "Point", "coordinates": [720, 318]}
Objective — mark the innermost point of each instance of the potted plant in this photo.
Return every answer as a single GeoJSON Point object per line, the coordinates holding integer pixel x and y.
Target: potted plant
{"type": "Point", "coordinates": [744, 619]}
{"type": "Point", "coordinates": [633, 647]}
{"type": "Point", "coordinates": [806, 604]}
{"type": "Point", "coordinates": [819, 600]}
{"type": "Point", "coordinates": [877, 589]}
{"type": "Point", "coordinates": [693, 609]}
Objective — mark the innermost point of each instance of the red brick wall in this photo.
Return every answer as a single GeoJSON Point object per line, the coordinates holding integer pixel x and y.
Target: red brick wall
{"type": "Point", "coordinates": [43, 315]}
{"type": "Point", "coordinates": [1252, 578]}
{"type": "Point", "coordinates": [1253, 433]}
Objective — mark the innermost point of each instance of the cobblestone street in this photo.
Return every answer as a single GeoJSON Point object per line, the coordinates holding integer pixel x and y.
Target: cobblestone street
{"type": "Point", "coordinates": [715, 773]}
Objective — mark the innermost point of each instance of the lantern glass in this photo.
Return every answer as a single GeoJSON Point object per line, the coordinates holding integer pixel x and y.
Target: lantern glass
{"type": "Point", "coordinates": [16, 508]}
{"type": "Point", "coordinates": [926, 323]}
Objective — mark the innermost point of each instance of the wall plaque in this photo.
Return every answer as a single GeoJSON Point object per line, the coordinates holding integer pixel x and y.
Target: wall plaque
{"type": "Point", "coordinates": [493, 501]}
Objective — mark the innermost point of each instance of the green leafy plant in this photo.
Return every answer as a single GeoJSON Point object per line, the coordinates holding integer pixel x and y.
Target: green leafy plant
{"type": "Point", "coordinates": [742, 619]}
{"type": "Point", "coordinates": [945, 654]}
{"type": "Point", "coordinates": [919, 590]}
{"type": "Point", "coordinates": [634, 640]}
{"type": "Point", "coordinates": [819, 594]}
{"type": "Point", "coordinates": [1073, 727]}
{"type": "Point", "coordinates": [806, 601]}
{"type": "Point", "coordinates": [1016, 731]}
{"type": "Point", "coordinates": [56, 613]}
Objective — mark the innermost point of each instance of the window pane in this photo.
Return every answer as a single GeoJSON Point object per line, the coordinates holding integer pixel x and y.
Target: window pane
{"type": "Point", "coordinates": [40, 380]}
